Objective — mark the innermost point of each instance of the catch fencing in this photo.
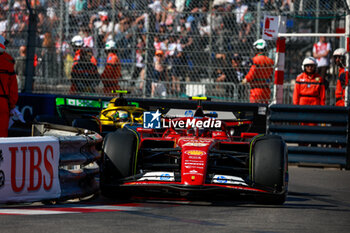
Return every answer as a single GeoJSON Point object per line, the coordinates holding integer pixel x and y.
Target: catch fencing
{"type": "Point", "coordinates": [197, 40]}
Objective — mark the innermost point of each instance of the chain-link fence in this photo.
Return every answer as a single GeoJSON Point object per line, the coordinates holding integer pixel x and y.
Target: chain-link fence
{"type": "Point", "coordinates": [165, 48]}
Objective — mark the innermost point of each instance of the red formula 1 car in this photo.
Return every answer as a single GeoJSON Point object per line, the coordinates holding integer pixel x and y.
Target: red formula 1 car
{"type": "Point", "coordinates": [197, 154]}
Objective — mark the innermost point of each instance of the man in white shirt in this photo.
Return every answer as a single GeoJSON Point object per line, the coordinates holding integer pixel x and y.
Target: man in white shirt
{"type": "Point", "coordinates": [321, 51]}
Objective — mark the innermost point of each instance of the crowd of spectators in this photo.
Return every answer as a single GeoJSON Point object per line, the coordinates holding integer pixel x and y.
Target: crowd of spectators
{"type": "Point", "coordinates": [197, 37]}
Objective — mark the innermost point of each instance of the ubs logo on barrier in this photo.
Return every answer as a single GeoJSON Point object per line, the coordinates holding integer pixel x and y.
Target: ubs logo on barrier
{"type": "Point", "coordinates": [2, 174]}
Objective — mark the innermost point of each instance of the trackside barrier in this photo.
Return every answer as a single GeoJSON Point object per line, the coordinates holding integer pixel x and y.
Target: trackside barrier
{"type": "Point", "coordinates": [324, 142]}
{"type": "Point", "coordinates": [78, 170]}
{"type": "Point", "coordinates": [56, 163]}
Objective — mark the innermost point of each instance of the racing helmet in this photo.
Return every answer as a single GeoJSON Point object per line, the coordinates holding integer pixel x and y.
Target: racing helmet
{"type": "Point", "coordinates": [309, 61]}
{"type": "Point", "coordinates": [2, 44]}
{"type": "Point", "coordinates": [122, 115]}
{"type": "Point", "coordinates": [77, 41]}
{"type": "Point", "coordinates": [259, 44]}
{"type": "Point", "coordinates": [339, 52]}
{"type": "Point", "coordinates": [110, 45]}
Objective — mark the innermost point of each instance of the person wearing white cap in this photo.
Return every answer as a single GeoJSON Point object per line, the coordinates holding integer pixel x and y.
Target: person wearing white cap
{"type": "Point", "coordinates": [309, 86]}
{"type": "Point", "coordinates": [8, 88]}
{"type": "Point", "coordinates": [260, 74]}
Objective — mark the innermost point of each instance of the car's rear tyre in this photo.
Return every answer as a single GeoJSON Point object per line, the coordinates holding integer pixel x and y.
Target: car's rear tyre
{"type": "Point", "coordinates": [118, 160]}
{"type": "Point", "coordinates": [269, 167]}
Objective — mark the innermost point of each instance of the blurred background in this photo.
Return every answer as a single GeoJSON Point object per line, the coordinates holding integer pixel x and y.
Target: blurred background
{"type": "Point", "coordinates": [184, 46]}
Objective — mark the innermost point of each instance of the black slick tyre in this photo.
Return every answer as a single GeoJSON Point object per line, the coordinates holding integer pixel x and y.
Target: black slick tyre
{"type": "Point", "coordinates": [118, 161]}
{"type": "Point", "coordinates": [269, 168]}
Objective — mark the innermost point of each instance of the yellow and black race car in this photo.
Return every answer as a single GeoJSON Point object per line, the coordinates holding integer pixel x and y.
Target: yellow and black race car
{"type": "Point", "coordinates": [99, 115]}
{"type": "Point", "coordinates": [120, 113]}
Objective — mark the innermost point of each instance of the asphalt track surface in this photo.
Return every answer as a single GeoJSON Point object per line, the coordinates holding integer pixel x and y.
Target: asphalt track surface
{"type": "Point", "coordinates": [318, 201]}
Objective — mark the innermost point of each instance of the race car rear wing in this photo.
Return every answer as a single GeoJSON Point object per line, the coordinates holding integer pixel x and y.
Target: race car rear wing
{"type": "Point", "coordinates": [238, 111]}
{"type": "Point", "coordinates": [69, 107]}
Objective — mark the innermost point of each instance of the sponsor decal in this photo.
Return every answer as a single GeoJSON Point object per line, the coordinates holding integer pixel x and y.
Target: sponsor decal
{"type": "Point", "coordinates": [194, 157]}
{"type": "Point", "coordinates": [197, 144]}
{"type": "Point", "coordinates": [195, 152]}
{"type": "Point", "coordinates": [151, 120]}
{"type": "Point", "coordinates": [222, 179]}
{"type": "Point", "coordinates": [157, 176]}
{"type": "Point", "coordinates": [189, 113]}
{"type": "Point", "coordinates": [165, 176]}
{"type": "Point", "coordinates": [29, 168]}
{"type": "Point", "coordinates": [191, 163]}
{"type": "Point", "coordinates": [194, 172]}
{"type": "Point", "coordinates": [191, 140]}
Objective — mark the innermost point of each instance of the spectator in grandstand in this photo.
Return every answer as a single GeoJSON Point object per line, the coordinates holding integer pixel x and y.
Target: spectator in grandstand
{"type": "Point", "coordinates": [236, 75]}
{"type": "Point", "coordinates": [140, 32]}
{"type": "Point", "coordinates": [3, 22]}
{"type": "Point", "coordinates": [43, 25]}
{"type": "Point", "coordinates": [231, 73]}
{"type": "Point", "coordinates": [186, 42]}
{"type": "Point", "coordinates": [112, 72]}
{"type": "Point", "coordinates": [268, 5]}
{"type": "Point", "coordinates": [193, 6]}
{"type": "Point", "coordinates": [158, 44]}
{"type": "Point", "coordinates": [260, 74]}
{"type": "Point", "coordinates": [101, 25]}
{"type": "Point", "coordinates": [309, 86]}
{"type": "Point", "coordinates": [220, 70]}
{"type": "Point", "coordinates": [20, 67]}
{"type": "Point", "coordinates": [163, 34]}
{"type": "Point", "coordinates": [229, 27]}
{"type": "Point", "coordinates": [4, 5]}
{"type": "Point", "coordinates": [8, 88]}
{"type": "Point", "coordinates": [158, 88]}
{"type": "Point", "coordinates": [88, 38]}
{"type": "Point", "coordinates": [79, 7]}
{"type": "Point", "coordinates": [287, 4]}
{"type": "Point", "coordinates": [169, 14]}
{"type": "Point", "coordinates": [51, 11]}
{"type": "Point", "coordinates": [84, 74]}
{"type": "Point", "coordinates": [174, 58]}
{"type": "Point", "coordinates": [48, 56]}
{"type": "Point", "coordinates": [339, 56]}
{"type": "Point", "coordinates": [139, 69]}
{"type": "Point", "coordinates": [20, 24]}
{"type": "Point", "coordinates": [157, 9]}
{"type": "Point", "coordinates": [244, 26]}
{"type": "Point", "coordinates": [321, 51]}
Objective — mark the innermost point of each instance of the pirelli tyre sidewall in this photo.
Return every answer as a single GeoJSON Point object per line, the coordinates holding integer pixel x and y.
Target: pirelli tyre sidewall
{"type": "Point", "coordinates": [269, 168]}
{"type": "Point", "coordinates": [118, 159]}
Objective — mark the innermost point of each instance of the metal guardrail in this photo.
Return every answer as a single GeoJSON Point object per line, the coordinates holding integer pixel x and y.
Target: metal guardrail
{"type": "Point", "coordinates": [78, 169]}
{"type": "Point", "coordinates": [315, 134]}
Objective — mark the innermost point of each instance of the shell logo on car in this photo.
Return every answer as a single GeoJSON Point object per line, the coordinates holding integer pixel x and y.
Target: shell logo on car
{"type": "Point", "coordinates": [195, 152]}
